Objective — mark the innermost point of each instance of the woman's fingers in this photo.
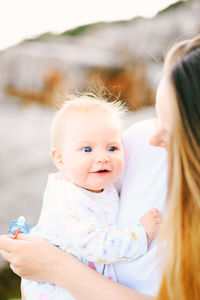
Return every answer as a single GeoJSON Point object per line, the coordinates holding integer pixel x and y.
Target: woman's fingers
{"type": "Point", "coordinates": [5, 254]}
{"type": "Point", "coordinates": [25, 237]}
{"type": "Point", "coordinates": [11, 249]}
{"type": "Point", "coordinates": [7, 243]}
{"type": "Point", "coordinates": [29, 256]}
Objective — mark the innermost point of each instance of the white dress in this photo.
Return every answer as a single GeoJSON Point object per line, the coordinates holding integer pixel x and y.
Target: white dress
{"type": "Point", "coordinates": [84, 224]}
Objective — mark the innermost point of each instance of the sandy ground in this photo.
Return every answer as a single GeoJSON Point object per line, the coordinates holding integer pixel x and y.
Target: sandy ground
{"type": "Point", "coordinates": [25, 160]}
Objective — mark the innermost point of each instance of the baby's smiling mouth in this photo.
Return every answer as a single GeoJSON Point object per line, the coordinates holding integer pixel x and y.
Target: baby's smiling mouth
{"type": "Point", "coordinates": [102, 171]}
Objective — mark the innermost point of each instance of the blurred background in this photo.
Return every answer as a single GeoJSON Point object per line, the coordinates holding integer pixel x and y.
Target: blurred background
{"type": "Point", "coordinates": [48, 47]}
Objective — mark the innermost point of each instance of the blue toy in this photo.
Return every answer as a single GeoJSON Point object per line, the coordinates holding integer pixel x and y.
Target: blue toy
{"type": "Point", "coordinates": [19, 226]}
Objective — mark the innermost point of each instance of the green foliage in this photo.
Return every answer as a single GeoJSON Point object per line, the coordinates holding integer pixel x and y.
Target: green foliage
{"type": "Point", "coordinates": [81, 29]}
{"type": "Point", "coordinates": [172, 6]}
{"type": "Point", "coordinates": [125, 22]}
{"type": "Point", "coordinates": [9, 284]}
{"type": "Point", "coordinates": [46, 35]}
{"type": "Point", "coordinates": [77, 31]}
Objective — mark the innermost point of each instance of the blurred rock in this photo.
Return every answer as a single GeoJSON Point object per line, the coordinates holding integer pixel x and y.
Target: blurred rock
{"type": "Point", "coordinates": [24, 159]}
{"type": "Point", "coordinates": [127, 57]}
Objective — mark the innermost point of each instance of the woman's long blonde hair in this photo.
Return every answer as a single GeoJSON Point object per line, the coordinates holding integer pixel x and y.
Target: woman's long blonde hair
{"type": "Point", "coordinates": [180, 234]}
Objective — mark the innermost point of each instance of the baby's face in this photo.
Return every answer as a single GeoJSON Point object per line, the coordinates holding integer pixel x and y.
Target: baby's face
{"type": "Point", "coordinates": [92, 152]}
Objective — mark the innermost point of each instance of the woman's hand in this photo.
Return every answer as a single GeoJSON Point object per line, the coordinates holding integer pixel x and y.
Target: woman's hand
{"type": "Point", "coordinates": [30, 257]}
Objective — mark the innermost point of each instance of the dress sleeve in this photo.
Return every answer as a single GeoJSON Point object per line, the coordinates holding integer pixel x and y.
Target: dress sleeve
{"type": "Point", "coordinates": [75, 225]}
{"type": "Point", "coordinates": [97, 242]}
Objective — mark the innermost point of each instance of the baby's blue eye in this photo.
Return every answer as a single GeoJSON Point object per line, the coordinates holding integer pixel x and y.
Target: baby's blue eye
{"type": "Point", "coordinates": [87, 149]}
{"type": "Point", "coordinates": [112, 149]}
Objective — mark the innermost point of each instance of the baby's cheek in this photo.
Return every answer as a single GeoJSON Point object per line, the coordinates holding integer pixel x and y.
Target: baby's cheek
{"type": "Point", "coordinates": [79, 176]}
{"type": "Point", "coordinates": [119, 167]}
{"type": "Point", "coordinates": [121, 162]}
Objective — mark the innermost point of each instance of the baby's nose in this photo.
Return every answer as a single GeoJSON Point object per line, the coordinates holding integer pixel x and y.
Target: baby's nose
{"type": "Point", "coordinates": [102, 158]}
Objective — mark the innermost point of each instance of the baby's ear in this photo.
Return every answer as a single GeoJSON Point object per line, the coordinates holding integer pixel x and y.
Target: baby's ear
{"type": "Point", "coordinates": [57, 158]}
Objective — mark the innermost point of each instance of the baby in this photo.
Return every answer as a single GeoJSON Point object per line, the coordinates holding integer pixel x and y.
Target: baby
{"type": "Point", "coordinates": [81, 205]}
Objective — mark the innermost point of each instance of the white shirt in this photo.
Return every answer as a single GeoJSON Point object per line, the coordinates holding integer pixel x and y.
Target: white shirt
{"type": "Point", "coordinates": [144, 186]}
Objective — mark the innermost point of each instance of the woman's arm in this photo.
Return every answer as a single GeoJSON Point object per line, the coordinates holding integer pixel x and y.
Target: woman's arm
{"type": "Point", "coordinates": [84, 283]}
{"type": "Point", "coordinates": [36, 259]}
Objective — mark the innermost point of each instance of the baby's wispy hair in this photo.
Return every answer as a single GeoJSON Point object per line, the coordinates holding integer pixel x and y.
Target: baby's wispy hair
{"type": "Point", "coordinates": [85, 102]}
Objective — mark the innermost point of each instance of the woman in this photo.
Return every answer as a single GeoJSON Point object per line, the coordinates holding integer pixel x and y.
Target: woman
{"type": "Point", "coordinates": [181, 229]}
{"type": "Point", "coordinates": [178, 109]}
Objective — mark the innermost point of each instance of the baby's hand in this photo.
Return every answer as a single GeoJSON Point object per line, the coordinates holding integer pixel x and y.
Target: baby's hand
{"type": "Point", "coordinates": [151, 222]}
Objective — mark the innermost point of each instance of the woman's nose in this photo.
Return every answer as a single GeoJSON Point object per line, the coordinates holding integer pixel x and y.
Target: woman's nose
{"type": "Point", "coordinates": [158, 139]}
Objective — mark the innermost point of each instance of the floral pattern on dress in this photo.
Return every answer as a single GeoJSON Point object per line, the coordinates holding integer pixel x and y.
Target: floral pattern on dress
{"type": "Point", "coordinates": [84, 224]}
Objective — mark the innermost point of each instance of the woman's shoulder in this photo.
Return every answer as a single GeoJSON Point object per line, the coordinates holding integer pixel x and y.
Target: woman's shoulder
{"type": "Point", "coordinates": [145, 127]}
{"type": "Point", "coordinates": [138, 134]}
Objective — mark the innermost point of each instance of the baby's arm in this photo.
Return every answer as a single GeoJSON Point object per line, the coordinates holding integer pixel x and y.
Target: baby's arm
{"type": "Point", "coordinates": [76, 224]}
{"type": "Point", "coordinates": [102, 243]}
